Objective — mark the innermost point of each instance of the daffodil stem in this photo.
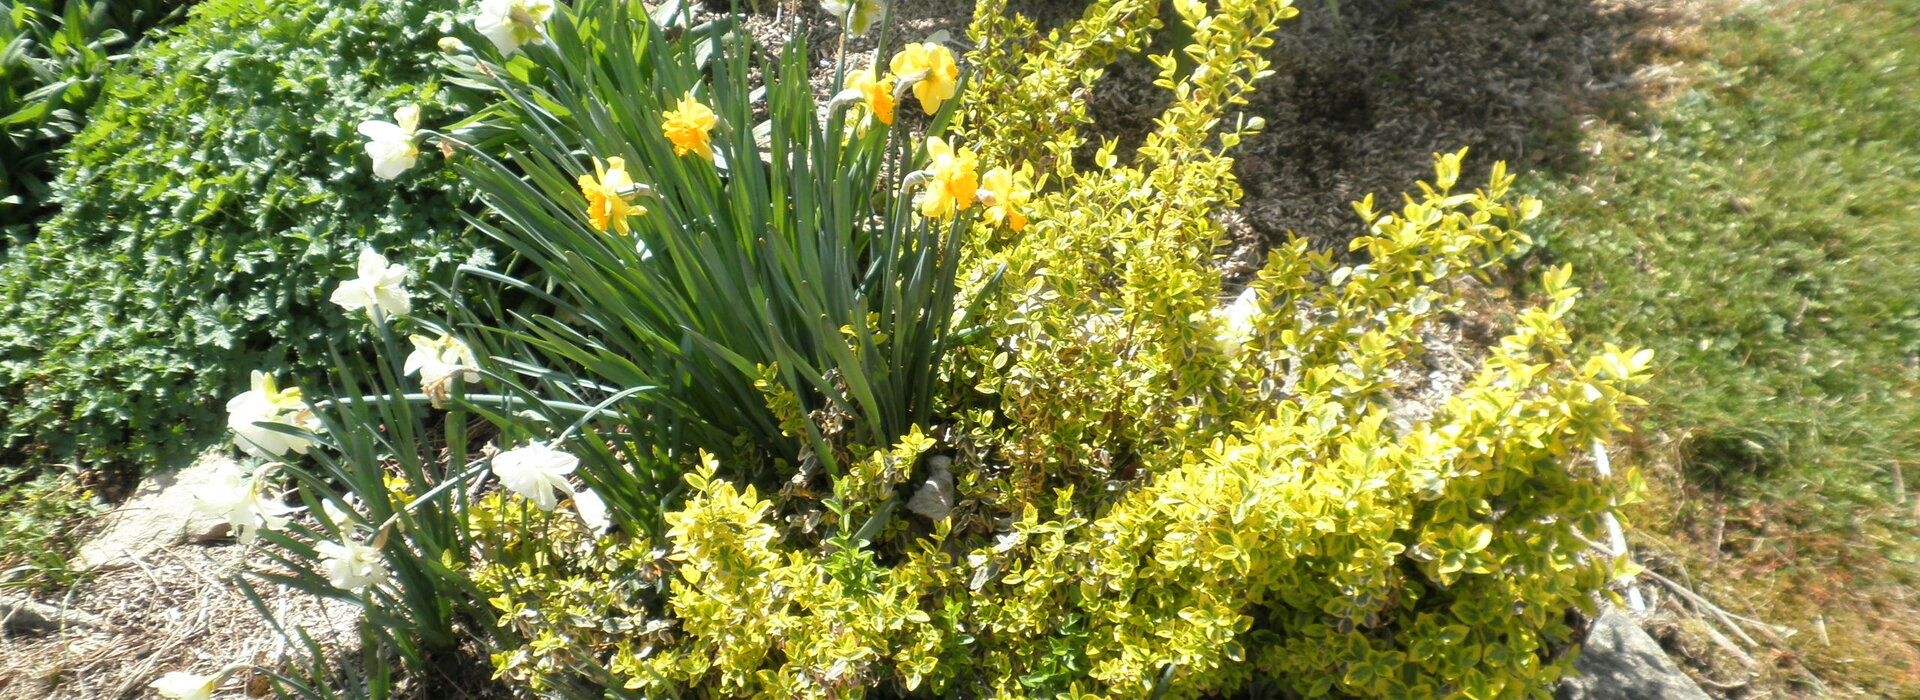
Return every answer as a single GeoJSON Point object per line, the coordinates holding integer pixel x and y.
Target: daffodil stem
{"type": "Point", "coordinates": [380, 536]}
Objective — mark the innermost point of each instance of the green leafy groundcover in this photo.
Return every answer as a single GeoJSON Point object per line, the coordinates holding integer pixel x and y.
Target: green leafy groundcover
{"type": "Point", "coordinates": [206, 212]}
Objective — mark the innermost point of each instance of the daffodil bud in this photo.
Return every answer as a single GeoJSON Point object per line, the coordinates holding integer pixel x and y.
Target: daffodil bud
{"type": "Point", "coordinates": [842, 99]}
{"type": "Point", "coordinates": [452, 45]}
{"type": "Point", "coordinates": [906, 82]}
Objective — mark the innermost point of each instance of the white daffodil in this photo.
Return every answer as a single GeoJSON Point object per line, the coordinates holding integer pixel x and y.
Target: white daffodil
{"type": "Point", "coordinates": [391, 145]}
{"type": "Point", "coordinates": [267, 403]}
{"type": "Point", "coordinates": [1237, 320]}
{"type": "Point", "coordinates": [593, 510]}
{"type": "Point", "coordinates": [185, 686]}
{"type": "Point", "coordinates": [239, 500]}
{"type": "Point", "coordinates": [342, 517]}
{"type": "Point", "coordinates": [351, 565]}
{"type": "Point", "coordinates": [536, 472]}
{"type": "Point", "coordinates": [380, 288]}
{"type": "Point", "coordinates": [438, 362]}
{"type": "Point", "coordinates": [511, 24]}
{"type": "Point", "coordinates": [857, 16]}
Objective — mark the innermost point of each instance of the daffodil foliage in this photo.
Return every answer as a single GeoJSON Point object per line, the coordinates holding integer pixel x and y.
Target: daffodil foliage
{"type": "Point", "coordinates": [700, 225]}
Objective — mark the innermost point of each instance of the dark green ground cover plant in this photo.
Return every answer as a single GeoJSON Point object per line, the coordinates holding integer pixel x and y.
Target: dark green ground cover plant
{"type": "Point", "coordinates": [54, 58]}
{"type": "Point", "coordinates": [215, 187]}
{"type": "Point", "coordinates": [1760, 228]}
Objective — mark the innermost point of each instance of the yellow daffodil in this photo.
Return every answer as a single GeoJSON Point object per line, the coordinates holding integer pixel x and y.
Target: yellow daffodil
{"type": "Point", "coordinates": [952, 182]}
{"type": "Point", "coordinates": [607, 191]}
{"type": "Point", "coordinates": [1005, 194]}
{"type": "Point", "coordinates": [875, 92]}
{"type": "Point", "coordinates": [690, 127]}
{"type": "Point", "coordinates": [938, 76]}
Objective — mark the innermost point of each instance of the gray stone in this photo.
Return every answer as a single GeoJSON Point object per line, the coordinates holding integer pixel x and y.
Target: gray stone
{"type": "Point", "coordinates": [22, 615]}
{"type": "Point", "coordinates": [934, 498]}
{"type": "Point", "coordinates": [161, 513]}
{"type": "Point", "coordinates": [1620, 662]}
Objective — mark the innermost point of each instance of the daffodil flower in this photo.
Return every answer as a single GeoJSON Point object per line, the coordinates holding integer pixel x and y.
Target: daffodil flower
{"type": "Point", "coordinates": [934, 74]}
{"type": "Point", "coordinates": [593, 510]}
{"type": "Point", "coordinates": [952, 180]}
{"type": "Point", "coordinates": [439, 362]}
{"type": "Point", "coordinates": [351, 565]}
{"type": "Point", "coordinates": [391, 145]}
{"type": "Point", "coordinates": [239, 500]}
{"type": "Point", "coordinates": [857, 16]}
{"type": "Point", "coordinates": [1005, 194]}
{"type": "Point", "coordinates": [874, 92]}
{"type": "Point", "coordinates": [606, 191]}
{"type": "Point", "coordinates": [689, 127]}
{"type": "Point", "coordinates": [266, 402]}
{"type": "Point", "coordinates": [1237, 320]}
{"type": "Point", "coordinates": [537, 472]}
{"type": "Point", "coordinates": [185, 686]}
{"type": "Point", "coordinates": [380, 288]}
{"type": "Point", "coordinates": [511, 24]}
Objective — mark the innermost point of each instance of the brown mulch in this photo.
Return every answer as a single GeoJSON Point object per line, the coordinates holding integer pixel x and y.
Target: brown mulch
{"type": "Point", "coordinates": [176, 610]}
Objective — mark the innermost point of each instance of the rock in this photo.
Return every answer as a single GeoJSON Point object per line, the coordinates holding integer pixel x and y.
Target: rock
{"type": "Point", "coordinates": [22, 615]}
{"type": "Point", "coordinates": [934, 499]}
{"type": "Point", "coordinates": [1620, 662]}
{"type": "Point", "coordinates": [161, 513]}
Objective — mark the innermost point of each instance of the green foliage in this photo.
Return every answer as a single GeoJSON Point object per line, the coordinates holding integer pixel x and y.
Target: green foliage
{"type": "Point", "coordinates": [1151, 495]}
{"type": "Point", "coordinates": [788, 277]}
{"type": "Point", "coordinates": [206, 210]}
{"type": "Point", "coordinates": [1761, 231]}
{"type": "Point", "coordinates": [54, 56]}
{"type": "Point", "coordinates": [36, 523]}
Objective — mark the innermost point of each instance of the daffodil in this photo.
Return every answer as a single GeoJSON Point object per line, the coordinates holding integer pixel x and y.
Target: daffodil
{"type": "Point", "coordinates": [690, 127]}
{"type": "Point", "coordinates": [241, 502]}
{"type": "Point", "coordinates": [857, 16]}
{"type": "Point", "coordinates": [185, 686]}
{"type": "Point", "coordinates": [439, 362]}
{"type": "Point", "coordinates": [351, 565]}
{"type": "Point", "coordinates": [936, 77]}
{"type": "Point", "coordinates": [390, 144]}
{"type": "Point", "coordinates": [1005, 194]}
{"type": "Point", "coordinates": [380, 288]}
{"type": "Point", "coordinates": [606, 191]}
{"type": "Point", "coordinates": [266, 402]}
{"type": "Point", "coordinates": [537, 472]}
{"type": "Point", "coordinates": [511, 24]}
{"type": "Point", "coordinates": [1237, 320]}
{"type": "Point", "coordinates": [875, 92]}
{"type": "Point", "coordinates": [952, 180]}
{"type": "Point", "coordinates": [593, 510]}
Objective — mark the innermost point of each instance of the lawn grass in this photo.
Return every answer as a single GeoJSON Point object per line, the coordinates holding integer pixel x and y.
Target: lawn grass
{"type": "Point", "coordinates": [1760, 229]}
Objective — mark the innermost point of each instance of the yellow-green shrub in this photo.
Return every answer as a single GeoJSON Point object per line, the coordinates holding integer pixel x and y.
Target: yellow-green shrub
{"type": "Point", "coordinates": [1154, 494]}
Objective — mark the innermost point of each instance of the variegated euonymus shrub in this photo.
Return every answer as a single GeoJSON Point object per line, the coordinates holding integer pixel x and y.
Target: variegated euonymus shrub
{"type": "Point", "coordinates": [833, 402]}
